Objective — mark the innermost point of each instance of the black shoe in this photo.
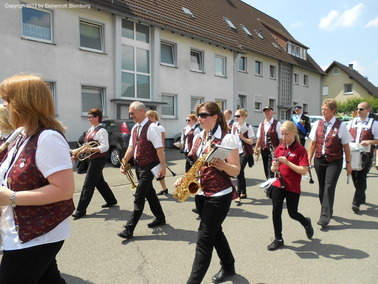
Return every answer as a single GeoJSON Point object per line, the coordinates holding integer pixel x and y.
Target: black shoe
{"type": "Point", "coordinates": [125, 234]}
{"type": "Point", "coordinates": [195, 210]}
{"type": "Point", "coordinates": [107, 205]}
{"type": "Point", "coordinates": [243, 195]}
{"type": "Point", "coordinates": [323, 223]}
{"type": "Point", "coordinates": [77, 216]}
{"type": "Point", "coordinates": [156, 223]}
{"type": "Point", "coordinates": [163, 192]}
{"type": "Point", "coordinates": [222, 275]}
{"type": "Point", "coordinates": [309, 229]}
{"type": "Point", "coordinates": [276, 244]}
{"type": "Point", "coordinates": [355, 208]}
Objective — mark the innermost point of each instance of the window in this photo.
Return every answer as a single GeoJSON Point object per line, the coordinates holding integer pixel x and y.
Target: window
{"type": "Point", "coordinates": [305, 108]}
{"type": "Point", "coordinates": [37, 24]}
{"type": "Point", "coordinates": [259, 34]}
{"type": "Point", "coordinates": [168, 53]}
{"type": "Point", "coordinates": [336, 71]}
{"type": "Point", "coordinates": [221, 103]}
{"type": "Point", "coordinates": [305, 80]}
{"type": "Point", "coordinates": [52, 87]}
{"type": "Point", "coordinates": [92, 97]}
{"type": "Point", "coordinates": [296, 78]}
{"type": "Point", "coordinates": [258, 103]}
{"type": "Point", "coordinates": [242, 102]}
{"type": "Point", "coordinates": [243, 64]}
{"type": "Point", "coordinates": [348, 89]}
{"type": "Point", "coordinates": [296, 50]}
{"type": "Point", "coordinates": [325, 91]}
{"type": "Point", "coordinates": [169, 110]}
{"type": "Point", "coordinates": [272, 104]}
{"type": "Point", "coordinates": [258, 68]}
{"type": "Point", "coordinates": [284, 115]}
{"type": "Point", "coordinates": [272, 72]}
{"type": "Point", "coordinates": [196, 61]}
{"type": "Point", "coordinates": [195, 102]}
{"type": "Point", "coordinates": [188, 12]}
{"type": "Point", "coordinates": [91, 37]}
{"type": "Point", "coordinates": [220, 66]}
{"type": "Point", "coordinates": [135, 61]}
{"type": "Point", "coordinates": [246, 30]}
{"type": "Point", "coordinates": [230, 24]}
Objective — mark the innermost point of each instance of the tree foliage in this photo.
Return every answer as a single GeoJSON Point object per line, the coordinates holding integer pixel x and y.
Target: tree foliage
{"type": "Point", "coordinates": [348, 107]}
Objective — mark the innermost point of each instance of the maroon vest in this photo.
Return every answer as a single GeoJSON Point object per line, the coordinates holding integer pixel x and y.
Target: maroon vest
{"type": "Point", "coordinates": [212, 180]}
{"type": "Point", "coordinates": [34, 221]}
{"type": "Point", "coordinates": [146, 152]}
{"type": "Point", "coordinates": [89, 138]}
{"type": "Point", "coordinates": [247, 148]}
{"type": "Point", "coordinates": [272, 134]}
{"type": "Point", "coordinates": [366, 133]}
{"type": "Point", "coordinates": [189, 138]}
{"type": "Point", "coordinates": [333, 147]}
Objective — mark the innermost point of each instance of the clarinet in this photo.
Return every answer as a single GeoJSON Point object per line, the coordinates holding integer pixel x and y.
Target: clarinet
{"type": "Point", "coordinates": [278, 173]}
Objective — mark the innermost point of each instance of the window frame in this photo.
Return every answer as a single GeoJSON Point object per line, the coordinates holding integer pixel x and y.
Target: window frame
{"type": "Point", "coordinates": [305, 80]}
{"type": "Point", "coordinates": [36, 38]}
{"type": "Point", "coordinates": [325, 90]}
{"type": "Point", "coordinates": [193, 104]}
{"type": "Point", "coordinates": [245, 64]}
{"type": "Point", "coordinates": [295, 78]}
{"type": "Point", "coordinates": [224, 65]}
{"type": "Point", "coordinates": [258, 100]}
{"type": "Point", "coordinates": [274, 72]}
{"type": "Point", "coordinates": [200, 59]}
{"type": "Point", "coordinates": [101, 29]}
{"type": "Point", "coordinates": [174, 106]}
{"type": "Point", "coordinates": [348, 88]}
{"type": "Point", "coordinates": [102, 92]}
{"type": "Point", "coordinates": [242, 101]}
{"type": "Point", "coordinates": [173, 52]}
{"type": "Point", "coordinates": [258, 68]}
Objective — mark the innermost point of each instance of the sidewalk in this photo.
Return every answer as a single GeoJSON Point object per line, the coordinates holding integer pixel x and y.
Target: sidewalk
{"type": "Point", "coordinates": [345, 252]}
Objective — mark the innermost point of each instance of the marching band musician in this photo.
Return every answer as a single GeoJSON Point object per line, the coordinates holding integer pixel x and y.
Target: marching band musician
{"type": "Point", "coordinates": [329, 137]}
{"type": "Point", "coordinates": [303, 124]}
{"type": "Point", "coordinates": [37, 185]}
{"type": "Point", "coordinates": [364, 131]}
{"type": "Point", "coordinates": [214, 201]}
{"type": "Point", "coordinates": [269, 128]}
{"type": "Point", "coordinates": [146, 147]}
{"type": "Point", "coordinates": [228, 115]}
{"type": "Point", "coordinates": [188, 133]}
{"type": "Point", "coordinates": [244, 132]}
{"type": "Point", "coordinates": [97, 161]}
{"type": "Point", "coordinates": [6, 129]}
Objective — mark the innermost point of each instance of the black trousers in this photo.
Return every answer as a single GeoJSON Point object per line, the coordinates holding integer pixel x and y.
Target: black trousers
{"type": "Point", "coordinates": [267, 162]}
{"type": "Point", "coordinates": [95, 179]}
{"type": "Point", "coordinates": [328, 175]}
{"type": "Point", "coordinates": [145, 190]}
{"type": "Point", "coordinates": [242, 186]}
{"type": "Point", "coordinates": [292, 201]}
{"type": "Point", "coordinates": [35, 265]}
{"type": "Point", "coordinates": [213, 211]}
{"type": "Point", "coordinates": [189, 162]}
{"type": "Point", "coordinates": [359, 182]}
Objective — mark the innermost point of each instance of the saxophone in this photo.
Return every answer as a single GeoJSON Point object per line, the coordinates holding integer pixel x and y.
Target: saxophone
{"type": "Point", "coordinates": [189, 184]}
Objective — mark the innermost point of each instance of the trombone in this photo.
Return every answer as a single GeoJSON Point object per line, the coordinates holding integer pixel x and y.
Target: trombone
{"type": "Point", "coordinates": [128, 173]}
{"type": "Point", "coordinates": [79, 152]}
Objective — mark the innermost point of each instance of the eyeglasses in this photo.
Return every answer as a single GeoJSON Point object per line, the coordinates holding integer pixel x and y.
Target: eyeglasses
{"type": "Point", "coordinates": [204, 114]}
{"type": "Point", "coordinates": [187, 120]}
{"type": "Point", "coordinates": [131, 113]}
{"type": "Point", "coordinates": [360, 109]}
{"type": "Point", "coordinates": [238, 115]}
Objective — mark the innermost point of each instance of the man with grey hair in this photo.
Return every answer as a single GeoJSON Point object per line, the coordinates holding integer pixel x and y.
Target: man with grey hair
{"type": "Point", "coordinates": [146, 147]}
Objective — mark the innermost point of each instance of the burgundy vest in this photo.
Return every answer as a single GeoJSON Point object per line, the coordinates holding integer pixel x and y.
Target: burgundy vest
{"type": "Point", "coordinates": [212, 180]}
{"type": "Point", "coordinates": [366, 133]}
{"type": "Point", "coordinates": [146, 152]}
{"type": "Point", "coordinates": [189, 138]}
{"type": "Point", "coordinates": [272, 134]}
{"type": "Point", "coordinates": [247, 149]}
{"type": "Point", "coordinates": [333, 147]}
{"type": "Point", "coordinates": [89, 138]}
{"type": "Point", "coordinates": [34, 221]}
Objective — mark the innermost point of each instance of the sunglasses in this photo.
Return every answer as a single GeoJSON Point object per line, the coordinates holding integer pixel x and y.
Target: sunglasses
{"type": "Point", "coordinates": [89, 117]}
{"type": "Point", "coordinates": [204, 114]}
{"type": "Point", "coordinates": [187, 119]}
{"type": "Point", "coordinates": [360, 109]}
{"type": "Point", "coordinates": [238, 115]}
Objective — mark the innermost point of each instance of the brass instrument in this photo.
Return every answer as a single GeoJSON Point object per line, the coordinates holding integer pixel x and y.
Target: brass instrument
{"type": "Point", "coordinates": [128, 173]}
{"type": "Point", "coordinates": [189, 184]}
{"type": "Point", "coordinates": [11, 138]}
{"type": "Point", "coordinates": [79, 152]}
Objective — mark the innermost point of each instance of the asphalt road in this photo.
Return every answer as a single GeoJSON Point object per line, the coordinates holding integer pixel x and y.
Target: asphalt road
{"type": "Point", "coordinates": [345, 252]}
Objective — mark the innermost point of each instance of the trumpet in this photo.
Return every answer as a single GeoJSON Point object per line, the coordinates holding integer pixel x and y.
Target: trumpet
{"type": "Point", "coordinates": [128, 173]}
{"type": "Point", "coordinates": [79, 152]}
{"type": "Point", "coordinates": [11, 138]}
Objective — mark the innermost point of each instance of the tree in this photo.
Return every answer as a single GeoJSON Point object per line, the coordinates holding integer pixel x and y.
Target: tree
{"type": "Point", "coordinates": [349, 106]}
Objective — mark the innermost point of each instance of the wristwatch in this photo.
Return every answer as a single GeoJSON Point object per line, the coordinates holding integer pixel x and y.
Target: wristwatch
{"type": "Point", "coordinates": [348, 162]}
{"type": "Point", "coordinates": [12, 199]}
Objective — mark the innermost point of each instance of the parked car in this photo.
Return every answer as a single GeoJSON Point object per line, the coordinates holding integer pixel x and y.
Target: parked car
{"type": "Point", "coordinates": [314, 118]}
{"type": "Point", "coordinates": [119, 131]}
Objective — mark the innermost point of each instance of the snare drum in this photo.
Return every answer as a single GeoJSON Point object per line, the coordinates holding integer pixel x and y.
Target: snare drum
{"type": "Point", "coordinates": [355, 160]}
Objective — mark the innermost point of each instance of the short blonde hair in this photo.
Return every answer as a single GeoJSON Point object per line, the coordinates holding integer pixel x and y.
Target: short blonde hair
{"type": "Point", "coordinates": [242, 112]}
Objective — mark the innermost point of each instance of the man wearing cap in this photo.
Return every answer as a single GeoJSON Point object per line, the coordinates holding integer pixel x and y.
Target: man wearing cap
{"type": "Point", "coordinates": [268, 138]}
{"type": "Point", "coordinates": [303, 124]}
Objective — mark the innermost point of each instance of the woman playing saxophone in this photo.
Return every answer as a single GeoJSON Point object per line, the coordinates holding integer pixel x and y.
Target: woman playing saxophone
{"type": "Point", "coordinates": [214, 199]}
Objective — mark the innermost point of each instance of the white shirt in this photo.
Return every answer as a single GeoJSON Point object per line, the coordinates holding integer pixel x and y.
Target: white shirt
{"type": "Point", "coordinates": [184, 135]}
{"type": "Point", "coordinates": [229, 140]}
{"type": "Point", "coordinates": [102, 137]}
{"type": "Point", "coordinates": [267, 125]}
{"type": "Point", "coordinates": [153, 135]}
{"type": "Point", "coordinates": [52, 156]}
{"type": "Point", "coordinates": [359, 124]}
{"type": "Point", "coordinates": [343, 133]}
{"type": "Point", "coordinates": [244, 128]}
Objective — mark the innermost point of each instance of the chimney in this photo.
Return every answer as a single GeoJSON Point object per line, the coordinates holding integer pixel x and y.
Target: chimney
{"type": "Point", "coordinates": [351, 66]}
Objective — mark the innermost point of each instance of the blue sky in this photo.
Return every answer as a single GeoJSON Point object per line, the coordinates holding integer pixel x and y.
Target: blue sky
{"type": "Point", "coordinates": [344, 30]}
